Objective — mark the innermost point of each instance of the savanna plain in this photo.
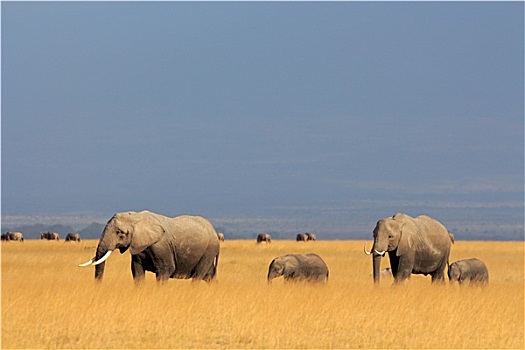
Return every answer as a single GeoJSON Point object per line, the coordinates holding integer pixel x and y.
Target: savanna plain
{"type": "Point", "coordinates": [50, 302]}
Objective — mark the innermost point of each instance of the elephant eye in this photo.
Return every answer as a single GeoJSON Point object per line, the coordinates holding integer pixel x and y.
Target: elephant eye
{"type": "Point", "coordinates": [121, 233]}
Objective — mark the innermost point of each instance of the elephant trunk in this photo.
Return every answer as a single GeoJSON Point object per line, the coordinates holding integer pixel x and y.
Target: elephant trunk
{"type": "Point", "coordinates": [99, 271]}
{"type": "Point", "coordinates": [376, 261]}
{"type": "Point", "coordinates": [104, 249]}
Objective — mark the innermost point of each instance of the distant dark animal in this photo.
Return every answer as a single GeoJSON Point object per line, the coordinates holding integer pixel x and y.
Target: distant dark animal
{"type": "Point", "coordinates": [468, 271]}
{"type": "Point", "coordinates": [264, 237]}
{"type": "Point", "coordinates": [298, 267]}
{"type": "Point", "coordinates": [16, 236]}
{"type": "Point", "coordinates": [301, 237]}
{"type": "Point", "coordinates": [220, 236]}
{"type": "Point", "coordinates": [50, 236]}
{"type": "Point", "coordinates": [73, 237]}
{"type": "Point", "coordinates": [5, 236]}
{"type": "Point", "coordinates": [311, 236]}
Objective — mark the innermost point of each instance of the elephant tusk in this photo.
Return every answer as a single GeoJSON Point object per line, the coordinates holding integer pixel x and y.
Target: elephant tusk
{"type": "Point", "coordinates": [380, 253]}
{"type": "Point", "coordinates": [87, 263]}
{"type": "Point", "coordinates": [104, 258]}
{"type": "Point", "coordinates": [367, 253]}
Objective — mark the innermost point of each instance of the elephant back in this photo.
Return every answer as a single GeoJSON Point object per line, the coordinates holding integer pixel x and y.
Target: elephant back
{"type": "Point", "coordinates": [193, 238]}
{"type": "Point", "coordinates": [311, 266]}
{"type": "Point", "coordinates": [433, 231]}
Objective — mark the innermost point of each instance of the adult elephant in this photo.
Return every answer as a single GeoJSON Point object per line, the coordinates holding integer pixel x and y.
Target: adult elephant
{"type": "Point", "coordinates": [16, 236]}
{"type": "Point", "coordinates": [298, 267]}
{"type": "Point", "coordinates": [50, 236]}
{"type": "Point", "coordinates": [311, 236]}
{"type": "Point", "coordinates": [73, 237]}
{"type": "Point", "coordinates": [418, 245]}
{"type": "Point", "coordinates": [468, 271]}
{"type": "Point", "coordinates": [301, 237]}
{"type": "Point", "coordinates": [264, 237]}
{"type": "Point", "coordinates": [182, 247]}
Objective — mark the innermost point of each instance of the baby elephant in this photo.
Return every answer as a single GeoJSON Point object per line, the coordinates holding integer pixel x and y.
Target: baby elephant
{"type": "Point", "coordinates": [298, 267]}
{"type": "Point", "coordinates": [469, 271]}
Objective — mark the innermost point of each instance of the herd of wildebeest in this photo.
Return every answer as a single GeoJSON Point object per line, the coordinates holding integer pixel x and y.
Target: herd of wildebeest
{"type": "Point", "coordinates": [188, 247]}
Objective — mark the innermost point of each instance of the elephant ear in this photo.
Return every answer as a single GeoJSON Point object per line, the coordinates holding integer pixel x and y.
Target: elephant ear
{"type": "Point", "coordinates": [408, 230]}
{"type": "Point", "coordinates": [147, 231]}
{"type": "Point", "coordinates": [277, 265]}
{"type": "Point", "coordinates": [291, 263]}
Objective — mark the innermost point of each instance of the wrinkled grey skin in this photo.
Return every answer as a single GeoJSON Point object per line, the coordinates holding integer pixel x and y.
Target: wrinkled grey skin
{"type": "Point", "coordinates": [301, 237]}
{"type": "Point", "coordinates": [73, 237]}
{"type": "Point", "coordinates": [220, 236]}
{"type": "Point", "coordinates": [298, 267]}
{"type": "Point", "coordinates": [264, 237]}
{"type": "Point", "coordinates": [418, 245]}
{"type": "Point", "coordinates": [468, 271]}
{"type": "Point", "coordinates": [311, 236]}
{"type": "Point", "coordinates": [182, 247]}
{"type": "Point", "coordinates": [50, 236]}
{"type": "Point", "coordinates": [16, 236]}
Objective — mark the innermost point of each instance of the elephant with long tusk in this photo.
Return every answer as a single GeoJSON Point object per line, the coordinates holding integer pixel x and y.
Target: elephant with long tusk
{"type": "Point", "coordinates": [418, 245]}
{"type": "Point", "coordinates": [181, 247]}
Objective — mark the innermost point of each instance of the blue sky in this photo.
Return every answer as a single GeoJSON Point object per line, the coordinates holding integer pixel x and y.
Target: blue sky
{"type": "Point", "coordinates": [272, 110]}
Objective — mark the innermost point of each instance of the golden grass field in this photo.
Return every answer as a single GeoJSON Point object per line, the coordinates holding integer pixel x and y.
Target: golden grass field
{"type": "Point", "coordinates": [49, 302]}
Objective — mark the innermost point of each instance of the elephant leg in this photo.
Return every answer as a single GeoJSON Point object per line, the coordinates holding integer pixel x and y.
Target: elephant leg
{"type": "Point", "coordinates": [394, 262]}
{"type": "Point", "coordinates": [290, 274]}
{"type": "Point", "coordinates": [404, 269]}
{"type": "Point", "coordinates": [164, 270]}
{"type": "Point", "coordinates": [163, 261]}
{"type": "Point", "coordinates": [137, 269]}
{"type": "Point", "coordinates": [205, 269]}
{"type": "Point", "coordinates": [210, 276]}
{"type": "Point", "coordinates": [162, 279]}
{"type": "Point", "coordinates": [438, 276]}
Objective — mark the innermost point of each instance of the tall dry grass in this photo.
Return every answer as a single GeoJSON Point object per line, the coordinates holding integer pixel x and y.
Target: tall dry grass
{"type": "Point", "coordinates": [49, 302]}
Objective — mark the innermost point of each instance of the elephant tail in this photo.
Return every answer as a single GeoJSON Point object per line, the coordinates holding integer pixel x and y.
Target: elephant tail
{"type": "Point", "coordinates": [215, 265]}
